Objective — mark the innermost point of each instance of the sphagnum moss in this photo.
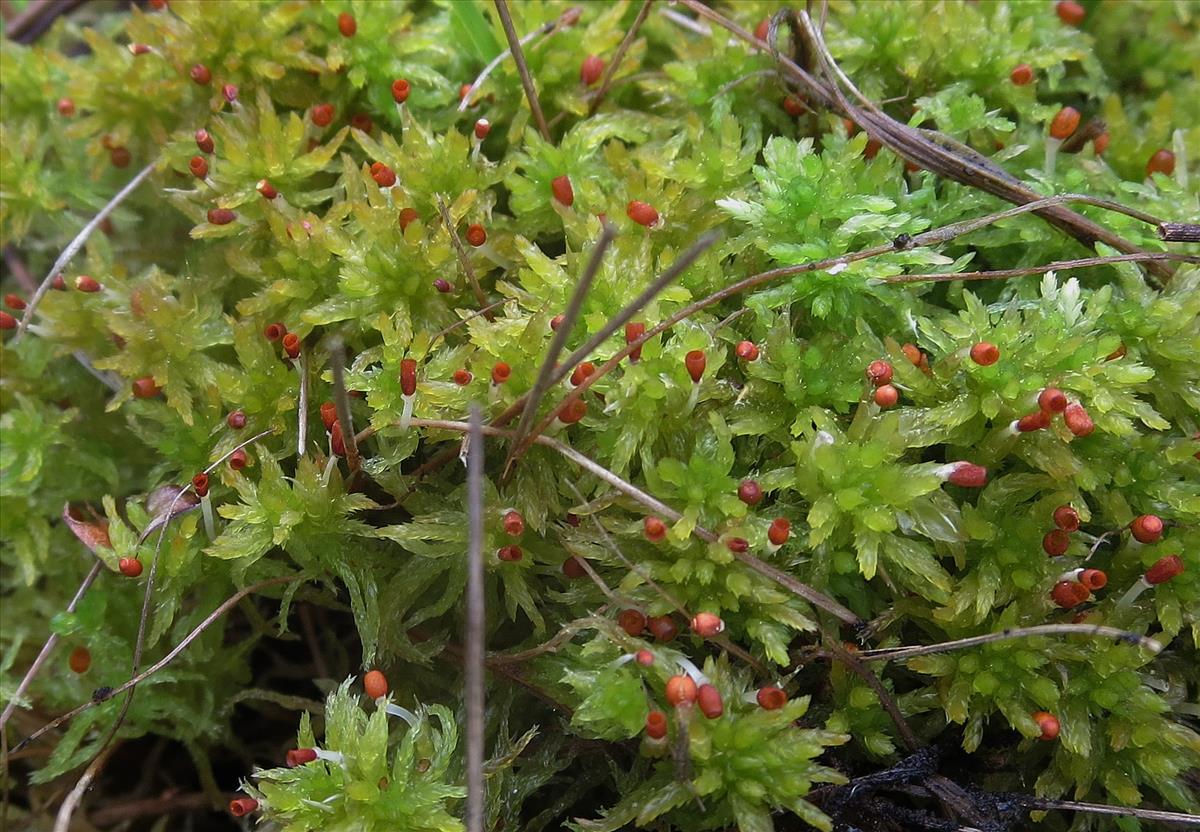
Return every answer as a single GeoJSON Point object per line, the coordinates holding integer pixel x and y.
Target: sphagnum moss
{"type": "Point", "coordinates": [932, 460]}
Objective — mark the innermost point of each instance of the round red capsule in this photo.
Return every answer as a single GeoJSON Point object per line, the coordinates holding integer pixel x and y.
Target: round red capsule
{"type": "Point", "coordinates": [985, 354]}
{"type": "Point", "coordinates": [14, 302]}
{"type": "Point", "coordinates": [120, 157]}
{"type": "Point", "coordinates": [1021, 75]}
{"type": "Point", "coordinates": [1048, 724]}
{"type": "Point", "coordinates": [291, 345]}
{"type": "Point", "coordinates": [1070, 12]}
{"type": "Point", "coordinates": [322, 114]}
{"type": "Point", "coordinates": [631, 621]}
{"type": "Point", "coordinates": [1064, 123]}
{"type": "Point", "coordinates": [681, 689]}
{"type": "Point", "coordinates": [708, 699]}
{"type": "Point", "coordinates": [747, 351]}
{"type": "Point", "coordinates": [738, 545]}
{"type": "Point", "coordinates": [136, 49]}
{"type": "Point", "coordinates": [362, 121]}
{"type": "Point", "coordinates": [1077, 420]}
{"type": "Point", "coordinates": [573, 567]}
{"type": "Point", "coordinates": [240, 806]}
{"type": "Point", "coordinates": [695, 362]}
{"type": "Point", "coordinates": [1093, 579]}
{"type": "Point", "coordinates": [238, 459]}
{"type": "Point", "coordinates": [400, 90]}
{"type": "Point", "coordinates": [384, 176]}
{"type": "Point", "coordinates": [1164, 569]}
{"type": "Point", "coordinates": [1052, 400]}
{"type": "Point", "coordinates": [198, 165]}
{"type": "Point", "coordinates": [501, 372]}
{"type": "Point", "coordinates": [1038, 420]}
{"type": "Point", "coordinates": [643, 213]}
{"type": "Point", "coordinates": [750, 492]}
{"type": "Point", "coordinates": [200, 74]}
{"type": "Point", "coordinates": [1056, 542]}
{"type": "Point", "coordinates": [633, 331]}
{"type": "Point", "coordinates": [886, 396]}
{"type": "Point", "coordinates": [347, 25]}
{"type": "Point", "coordinates": [1100, 143]}
{"type": "Point", "coordinates": [200, 483]}
{"type": "Point", "coordinates": [80, 660]}
{"type": "Point", "coordinates": [1147, 528]}
{"type": "Point", "coordinates": [968, 475]}
{"type": "Point", "coordinates": [476, 235]}
{"type": "Point", "coordinates": [560, 187]}
{"type": "Point", "coordinates": [407, 215]}
{"type": "Point", "coordinates": [7, 321]}
{"type": "Point", "coordinates": [779, 531]}
{"type": "Point", "coordinates": [265, 189]}
{"type": "Point", "coordinates": [771, 698]}
{"type": "Point", "coordinates": [514, 523]}
{"type": "Point", "coordinates": [204, 141]}
{"type": "Point", "coordinates": [300, 756]}
{"type": "Point", "coordinates": [1066, 518]}
{"type": "Point", "coordinates": [763, 29]}
{"type": "Point", "coordinates": [707, 624]}
{"type": "Point", "coordinates": [462, 377]}
{"type": "Point", "coordinates": [656, 725]}
{"type": "Point", "coordinates": [575, 410]}
{"type": "Point", "coordinates": [913, 354]}
{"type": "Point", "coordinates": [482, 128]}
{"type": "Point", "coordinates": [880, 372]}
{"type": "Point", "coordinates": [510, 554]}
{"type": "Point", "coordinates": [145, 388]}
{"type": "Point", "coordinates": [591, 69]}
{"type": "Point", "coordinates": [1163, 161]}
{"type": "Point", "coordinates": [654, 529]}
{"type": "Point", "coordinates": [66, 107]}
{"type": "Point", "coordinates": [1068, 594]}
{"type": "Point", "coordinates": [275, 331]}
{"type": "Point", "coordinates": [85, 283]}
{"type": "Point", "coordinates": [236, 420]}
{"type": "Point", "coordinates": [375, 684]}
{"type": "Point", "coordinates": [130, 567]}
{"type": "Point", "coordinates": [556, 322]}
{"type": "Point", "coordinates": [663, 628]}
{"type": "Point", "coordinates": [794, 106]}
{"type": "Point", "coordinates": [582, 372]}
{"type": "Point", "coordinates": [221, 216]}
{"type": "Point", "coordinates": [58, 284]}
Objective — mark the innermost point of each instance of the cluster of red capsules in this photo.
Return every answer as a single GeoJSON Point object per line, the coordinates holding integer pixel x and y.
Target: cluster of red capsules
{"type": "Point", "coordinates": [1051, 401]}
{"type": "Point", "coordinates": [514, 526]}
{"type": "Point", "coordinates": [691, 687]}
{"type": "Point", "coordinates": [290, 341]}
{"type": "Point", "coordinates": [1077, 585]}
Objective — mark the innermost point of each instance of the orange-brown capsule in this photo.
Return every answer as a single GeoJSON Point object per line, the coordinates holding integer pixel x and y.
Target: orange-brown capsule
{"type": "Point", "coordinates": [880, 372]}
{"type": "Point", "coordinates": [1164, 569]}
{"type": "Point", "coordinates": [200, 74]}
{"type": "Point", "coordinates": [204, 141]}
{"type": "Point", "coordinates": [198, 165]}
{"type": "Point", "coordinates": [779, 531]}
{"type": "Point", "coordinates": [1147, 528]}
{"type": "Point", "coordinates": [886, 396]}
{"type": "Point", "coordinates": [1064, 123]}
{"type": "Point", "coordinates": [275, 331]}
{"type": "Point", "coordinates": [120, 157]}
{"type": "Point", "coordinates": [681, 689]}
{"type": "Point", "coordinates": [514, 523]}
{"type": "Point", "coordinates": [750, 492]}
{"type": "Point", "coordinates": [238, 459]}
{"type": "Point", "coordinates": [1056, 542]}
{"type": "Point", "coordinates": [462, 377]}
{"type": "Point", "coordinates": [1052, 400]}
{"type": "Point", "coordinates": [80, 660]}
{"type": "Point", "coordinates": [221, 216]}
{"type": "Point", "coordinates": [747, 351]}
{"type": "Point", "coordinates": [663, 628]}
{"type": "Point", "coordinates": [582, 372]}
{"type": "Point", "coordinates": [1070, 12]}
{"type": "Point", "coordinates": [322, 114]}
{"type": "Point", "coordinates": [1021, 75]}
{"type": "Point", "coordinates": [654, 529]}
{"type": "Point", "coordinates": [695, 362]}
{"type": "Point", "coordinates": [1077, 420]}
{"type": "Point", "coordinates": [1048, 723]}
{"type": "Point", "coordinates": [200, 483]}
{"type": "Point", "coordinates": [476, 235]}
{"type": "Point", "coordinates": [291, 345]}
{"type": "Point", "coordinates": [400, 90]}
{"type": "Point", "coordinates": [145, 388]}
{"type": "Point", "coordinates": [347, 25]}
{"type": "Point", "coordinates": [1068, 594]}
{"type": "Point", "coordinates": [407, 215]}
{"type": "Point", "coordinates": [240, 806]}
{"type": "Point", "coordinates": [631, 621]}
{"type": "Point", "coordinates": [574, 410]}
{"type": "Point", "coordinates": [771, 698]}
{"type": "Point", "coordinates": [708, 699]}
{"type": "Point", "coordinates": [408, 376]}
{"type": "Point", "coordinates": [1066, 518]}
{"type": "Point", "coordinates": [985, 353]}
{"type": "Point", "coordinates": [384, 176]}
{"type": "Point", "coordinates": [66, 107]}
{"type": "Point", "coordinates": [560, 186]}
{"type": "Point", "coordinates": [656, 725]}
{"type": "Point", "coordinates": [1163, 161]}
{"type": "Point", "coordinates": [591, 69]}
{"type": "Point", "coordinates": [88, 284]}
{"type": "Point", "coordinates": [266, 189]}
{"type": "Point", "coordinates": [707, 624]}
{"type": "Point", "coordinates": [375, 684]}
{"type": "Point", "coordinates": [643, 213]}
{"type": "Point", "coordinates": [1093, 579]}
{"type": "Point", "coordinates": [501, 372]}
{"type": "Point", "coordinates": [633, 331]}
{"type": "Point", "coordinates": [130, 567]}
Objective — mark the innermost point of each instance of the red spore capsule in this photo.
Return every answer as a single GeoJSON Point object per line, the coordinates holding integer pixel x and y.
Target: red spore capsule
{"type": "Point", "coordinates": [560, 186]}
